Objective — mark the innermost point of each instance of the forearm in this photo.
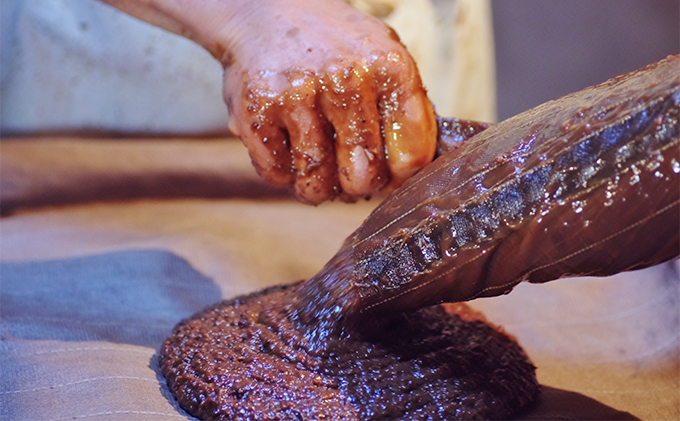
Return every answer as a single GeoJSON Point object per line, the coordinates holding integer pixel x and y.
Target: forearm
{"type": "Point", "coordinates": [210, 23]}
{"type": "Point", "coordinates": [232, 29]}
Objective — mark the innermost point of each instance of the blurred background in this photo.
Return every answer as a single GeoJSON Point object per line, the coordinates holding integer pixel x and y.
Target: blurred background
{"type": "Point", "coordinates": [548, 48]}
{"type": "Point", "coordinates": [79, 64]}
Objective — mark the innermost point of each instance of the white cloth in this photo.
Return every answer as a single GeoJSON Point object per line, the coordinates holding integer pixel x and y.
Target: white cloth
{"type": "Point", "coordinates": [80, 64]}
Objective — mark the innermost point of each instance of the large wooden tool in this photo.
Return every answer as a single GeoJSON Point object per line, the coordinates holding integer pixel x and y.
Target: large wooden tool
{"type": "Point", "coordinates": [588, 184]}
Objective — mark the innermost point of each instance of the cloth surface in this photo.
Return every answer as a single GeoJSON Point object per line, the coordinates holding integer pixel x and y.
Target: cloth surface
{"type": "Point", "coordinates": [59, 170]}
{"type": "Point", "coordinates": [89, 289]}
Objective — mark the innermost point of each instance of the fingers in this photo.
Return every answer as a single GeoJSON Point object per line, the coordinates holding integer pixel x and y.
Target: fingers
{"type": "Point", "coordinates": [409, 125]}
{"type": "Point", "coordinates": [349, 132]}
{"type": "Point", "coordinates": [410, 137]}
{"type": "Point", "coordinates": [349, 101]}
{"type": "Point", "coordinates": [289, 140]}
{"type": "Point", "coordinates": [311, 142]}
{"type": "Point", "coordinates": [256, 124]}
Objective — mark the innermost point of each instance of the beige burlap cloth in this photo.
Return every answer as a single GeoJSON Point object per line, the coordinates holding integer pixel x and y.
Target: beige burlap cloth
{"type": "Point", "coordinates": [149, 232]}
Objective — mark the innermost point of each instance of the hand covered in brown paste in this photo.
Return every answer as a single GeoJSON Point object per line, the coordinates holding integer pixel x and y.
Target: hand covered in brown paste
{"type": "Point", "coordinates": [325, 98]}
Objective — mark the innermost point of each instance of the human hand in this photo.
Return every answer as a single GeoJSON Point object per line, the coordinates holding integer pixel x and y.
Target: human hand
{"type": "Point", "coordinates": [326, 99]}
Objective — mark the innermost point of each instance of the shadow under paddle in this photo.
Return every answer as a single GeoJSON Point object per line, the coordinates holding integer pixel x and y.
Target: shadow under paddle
{"type": "Point", "coordinates": [558, 404]}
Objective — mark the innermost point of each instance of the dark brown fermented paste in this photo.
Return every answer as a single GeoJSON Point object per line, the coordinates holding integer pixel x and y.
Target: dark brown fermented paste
{"type": "Point", "coordinates": [245, 359]}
